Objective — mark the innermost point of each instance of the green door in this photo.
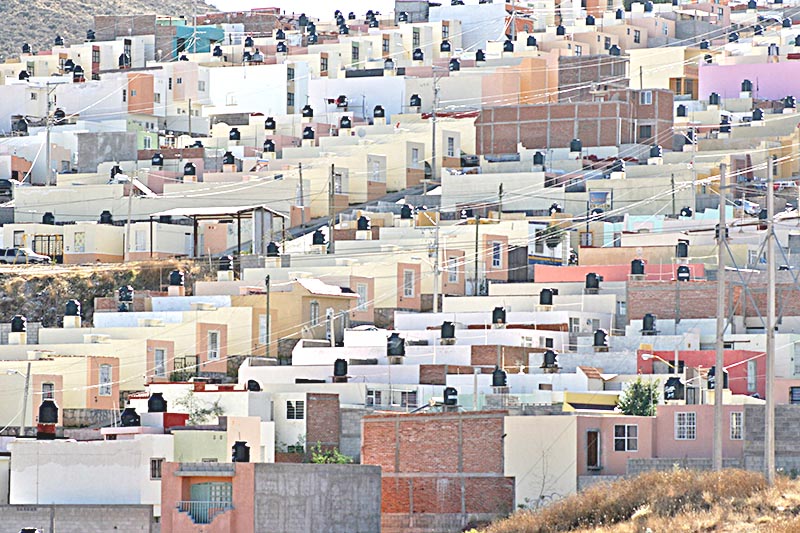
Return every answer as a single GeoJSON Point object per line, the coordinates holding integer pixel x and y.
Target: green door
{"type": "Point", "coordinates": [209, 500]}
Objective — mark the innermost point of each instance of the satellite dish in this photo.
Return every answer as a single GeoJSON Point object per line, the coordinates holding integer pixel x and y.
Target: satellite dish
{"type": "Point", "coordinates": [362, 132]}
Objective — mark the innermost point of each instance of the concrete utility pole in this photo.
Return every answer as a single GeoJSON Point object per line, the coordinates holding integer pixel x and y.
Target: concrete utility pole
{"type": "Point", "coordinates": [302, 196]}
{"type": "Point", "coordinates": [769, 413]}
{"type": "Point", "coordinates": [500, 202]}
{"type": "Point", "coordinates": [436, 269]}
{"type": "Point", "coordinates": [719, 378]}
{"type": "Point", "coordinates": [266, 317]}
{"type": "Point", "coordinates": [477, 228]}
{"type": "Point", "coordinates": [25, 400]}
{"type": "Point", "coordinates": [332, 208]}
{"type": "Point", "coordinates": [49, 126]}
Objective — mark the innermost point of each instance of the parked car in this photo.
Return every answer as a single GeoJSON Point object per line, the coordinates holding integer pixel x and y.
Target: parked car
{"type": "Point", "coordinates": [22, 256]}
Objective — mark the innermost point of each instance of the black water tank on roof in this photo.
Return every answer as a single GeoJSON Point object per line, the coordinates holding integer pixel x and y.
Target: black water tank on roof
{"type": "Point", "coordinates": [226, 263]}
{"type": "Point", "coordinates": [19, 324]}
{"type": "Point", "coordinates": [415, 101]}
{"type": "Point", "coordinates": [106, 218]}
{"type": "Point", "coordinates": [90, 35]}
{"type": "Point", "coordinates": [656, 151]}
{"type": "Point", "coordinates": [681, 110]}
{"type": "Point", "coordinates": [575, 145]}
{"type": "Point", "coordinates": [684, 274]}
{"type": "Point", "coordinates": [125, 293]}
{"type": "Point", "coordinates": [378, 112]}
{"type": "Point", "coordinates": [340, 368]}
{"type": "Point", "coordinates": [448, 330]}
{"type": "Point", "coordinates": [712, 375]}
{"type": "Point", "coordinates": [499, 377]}
{"type": "Point", "coordinates": [637, 267]}
{"type": "Point", "coordinates": [49, 218]}
{"type": "Point", "coordinates": [531, 41]}
{"type": "Point", "coordinates": [395, 345]}
{"type": "Point", "coordinates": [73, 308]}
{"type": "Point", "coordinates": [674, 389]}
{"type": "Point", "coordinates": [649, 324]}
{"type": "Point", "coordinates": [253, 385]}
{"type": "Point", "coordinates": [508, 45]}
{"type": "Point", "coordinates": [318, 238]}
{"type": "Point", "coordinates": [600, 338]}
{"type": "Point", "coordinates": [648, 7]}
{"type": "Point", "coordinates": [686, 211]}
{"type": "Point", "coordinates": [549, 359]}
{"type": "Point", "coordinates": [417, 54]}
{"type": "Point", "coordinates": [177, 278]}
{"type": "Point", "coordinates": [593, 281]}
{"type": "Point", "coordinates": [281, 48]}
{"type": "Point", "coordinates": [269, 123]}
{"type": "Point", "coordinates": [345, 123]}
{"type": "Point", "coordinates": [307, 111]}
{"type": "Point", "coordinates": [620, 14]}
{"type": "Point", "coordinates": [157, 160]}
{"type": "Point", "coordinates": [445, 46]}
{"type": "Point", "coordinates": [272, 250]}
{"type": "Point", "coordinates": [130, 418]}
{"type": "Point", "coordinates": [228, 159]}
{"type": "Point", "coordinates": [26, 48]}
{"type": "Point", "coordinates": [454, 65]}
{"type": "Point", "coordinates": [406, 212]}
{"type": "Point", "coordinates": [280, 34]}
{"type": "Point", "coordinates": [189, 169]}
{"type": "Point", "coordinates": [682, 249]}
{"type": "Point", "coordinates": [561, 30]}
{"type": "Point", "coordinates": [402, 16]}
{"type": "Point", "coordinates": [269, 145]}
{"type": "Point", "coordinates": [362, 224]}
{"type": "Point", "coordinates": [48, 412]}
{"type": "Point", "coordinates": [758, 114]}
{"type": "Point", "coordinates": [156, 403]}
{"type": "Point", "coordinates": [23, 76]}
{"type": "Point", "coordinates": [480, 55]}
{"type": "Point", "coordinates": [450, 396]}
{"type": "Point", "coordinates": [546, 296]}
{"type": "Point", "coordinates": [234, 134]}
{"type": "Point", "coordinates": [248, 42]}
{"type": "Point", "coordinates": [241, 452]}
{"type": "Point", "coordinates": [590, 20]}
{"type": "Point", "coordinates": [499, 315]}
{"type": "Point", "coordinates": [538, 159]}
{"type": "Point", "coordinates": [308, 133]}
{"type": "Point", "coordinates": [787, 23]}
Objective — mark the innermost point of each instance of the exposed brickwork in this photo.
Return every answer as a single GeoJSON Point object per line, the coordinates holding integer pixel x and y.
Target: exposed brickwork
{"type": "Point", "coordinates": [323, 423]}
{"type": "Point", "coordinates": [576, 74]}
{"type": "Point", "coordinates": [437, 374]}
{"type": "Point", "coordinates": [442, 469]}
{"type": "Point", "coordinates": [486, 355]}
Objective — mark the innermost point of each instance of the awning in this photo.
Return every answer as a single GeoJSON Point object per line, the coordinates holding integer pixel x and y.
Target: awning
{"type": "Point", "coordinates": [207, 213]}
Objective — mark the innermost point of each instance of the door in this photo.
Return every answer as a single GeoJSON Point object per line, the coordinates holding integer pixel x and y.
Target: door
{"type": "Point", "coordinates": [593, 449]}
{"type": "Point", "coordinates": [209, 500]}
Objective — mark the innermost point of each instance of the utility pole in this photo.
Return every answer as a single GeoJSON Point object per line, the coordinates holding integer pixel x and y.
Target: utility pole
{"type": "Point", "coordinates": [477, 228]}
{"type": "Point", "coordinates": [436, 269]}
{"type": "Point", "coordinates": [769, 414]}
{"type": "Point", "coordinates": [331, 209]}
{"type": "Point", "coordinates": [500, 202]}
{"type": "Point", "coordinates": [433, 126]}
{"type": "Point", "coordinates": [266, 317]}
{"type": "Point", "coordinates": [672, 184]}
{"type": "Point", "coordinates": [49, 126]}
{"type": "Point", "coordinates": [302, 197]}
{"type": "Point", "coordinates": [719, 378]}
{"type": "Point", "coordinates": [126, 251]}
{"type": "Point", "coordinates": [190, 115]}
{"type": "Point", "coordinates": [25, 400]}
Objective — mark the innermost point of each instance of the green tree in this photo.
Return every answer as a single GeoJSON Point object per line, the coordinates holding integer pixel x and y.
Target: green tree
{"type": "Point", "coordinates": [639, 398]}
{"type": "Point", "coordinates": [319, 455]}
{"type": "Point", "coordinates": [198, 410]}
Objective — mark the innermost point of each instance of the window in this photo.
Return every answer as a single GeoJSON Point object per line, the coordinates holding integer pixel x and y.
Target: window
{"type": "Point", "coordinates": [637, 36]}
{"type": "Point", "coordinates": [737, 425]}
{"type": "Point", "coordinates": [95, 56]}
{"type": "Point", "coordinates": [19, 238]}
{"type": "Point", "coordinates": [794, 395]}
{"type": "Point", "coordinates": [160, 362]}
{"type": "Point", "coordinates": [645, 132]}
{"type": "Point", "coordinates": [607, 43]}
{"type": "Point", "coordinates": [445, 31]}
{"type": "Point", "coordinates": [593, 449]}
{"type": "Point", "coordinates": [290, 73]}
{"type": "Point", "coordinates": [408, 399]}
{"type": "Point", "coordinates": [665, 29]}
{"type": "Point", "coordinates": [140, 240]}
{"type": "Point", "coordinates": [213, 345]}
{"type": "Point", "coordinates": [179, 81]}
{"type": "Point", "coordinates": [373, 397]}
{"type": "Point", "coordinates": [289, 99]}
{"type": "Point", "coordinates": [578, 50]}
{"type": "Point", "coordinates": [452, 270]}
{"type": "Point", "coordinates": [295, 410]}
{"type": "Point", "coordinates": [133, 93]}
{"type": "Point", "coordinates": [157, 98]}
{"type": "Point", "coordinates": [574, 324]}
{"type": "Point", "coordinates": [155, 467]}
{"type": "Point", "coordinates": [408, 283]}
{"type": "Point", "coordinates": [104, 388]}
{"type": "Point", "coordinates": [48, 391]}
{"type": "Point", "coordinates": [314, 313]}
{"type": "Point", "coordinates": [78, 242]}
{"type": "Point", "coordinates": [354, 52]}
{"type": "Point", "coordinates": [34, 96]}
{"type": "Point", "coordinates": [201, 86]}
{"type": "Point", "coordinates": [497, 254]}
{"type": "Point", "coordinates": [169, 84]}
{"type": "Point", "coordinates": [685, 426]}
{"type": "Point", "coordinates": [626, 438]}
{"type": "Point", "coordinates": [323, 64]}
{"type": "Point", "coordinates": [451, 147]}
{"type": "Point", "coordinates": [415, 38]}
{"type": "Point", "coordinates": [361, 290]}
{"type": "Point", "coordinates": [646, 97]}
{"type": "Point", "coordinates": [295, 448]}
{"type": "Point", "coordinates": [414, 156]}
{"type": "Point", "coordinates": [586, 238]}
{"type": "Point", "coordinates": [796, 358]}
{"type": "Point", "coordinates": [751, 376]}
{"type": "Point", "coordinates": [147, 143]}
{"type": "Point", "coordinates": [385, 45]}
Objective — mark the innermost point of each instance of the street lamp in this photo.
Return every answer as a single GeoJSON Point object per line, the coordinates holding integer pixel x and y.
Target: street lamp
{"type": "Point", "coordinates": [673, 366]}
{"type": "Point", "coordinates": [27, 377]}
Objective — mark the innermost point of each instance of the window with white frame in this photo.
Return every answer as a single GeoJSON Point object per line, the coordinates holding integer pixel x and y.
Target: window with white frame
{"type": "Point", "coordinates": [295, 410]}
{"type": "Point", "coordinates": [361, 291]}
{"type": "Point", "coordinates": [451, 147]}
{"type": "Point", "coordinates": [408, 283]}
{"type": "Point", "coordinates": [104, 381]}
{"type": "Point", "coordinates": [626, 438]}
{"type": "Point", "coordinates": [79, 242]}
{"type": "Point", "coordinates": [646, 97]}
{"type": "Point", "coordinates": [637, 36]}
{"type": "Point", "coordinates": [373, 397]}
{"type": "Point", "coordinates": [160, 362]}
{"type": "Point", "coordinates": [140, 240]}
{"type": "Point", "coordinates": [452, 270]}
{"type": "Point", "coordinates": [415, 156]}
{"type": "Point", "coordinates": [313, 313]}
{"type": "Point", "coordinates": [574, 324]}
{"type": "Point", "coordinates": [497, 254]}
{"type": "Point", "coordinates": [213, 345]}
{"type": "Point", "coordinates": [201, 85]}
{"type": "Point", "coordinates": [155, 467]}
{"type": "Point", "coordinates": [685, 426]}
{"type": "Point", "coordinates": [578, 50]}
{"type": "Point", "coordinates": [157, 98]}
{"type": "Point", "coordinates": [48, 391]}
{"type": "Point", "coordinates": [752, 371]}
{"type": "Point", "coordinates": [737, 425]}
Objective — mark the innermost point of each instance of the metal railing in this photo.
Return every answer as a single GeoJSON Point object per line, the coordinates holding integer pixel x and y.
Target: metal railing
{"type": "Point", "coordinates": [203, 512]}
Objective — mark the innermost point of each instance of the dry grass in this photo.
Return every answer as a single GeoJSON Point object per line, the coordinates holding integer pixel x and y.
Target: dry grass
{"type": "Point", "coordinates": [677, 501]}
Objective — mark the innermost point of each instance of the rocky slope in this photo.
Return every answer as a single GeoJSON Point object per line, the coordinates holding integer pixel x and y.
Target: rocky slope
{"type": "Point", "coordinates": [37, 22]}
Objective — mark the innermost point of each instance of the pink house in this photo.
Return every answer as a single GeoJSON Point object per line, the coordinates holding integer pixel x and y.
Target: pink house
{"type": "Point", "coordinates": [653, 272]}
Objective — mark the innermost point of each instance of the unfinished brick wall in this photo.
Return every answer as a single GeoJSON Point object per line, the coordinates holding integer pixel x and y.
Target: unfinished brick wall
{"type": "Point", "coordinates": [438, 468]}
{"type": "Point", "coordinates": [486, 355]}
{"type": "Point", "coordinates": [323, 422]}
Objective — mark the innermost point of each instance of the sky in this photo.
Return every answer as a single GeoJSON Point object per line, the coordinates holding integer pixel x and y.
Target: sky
{"type": "Point", "coordinates": [314, 8]}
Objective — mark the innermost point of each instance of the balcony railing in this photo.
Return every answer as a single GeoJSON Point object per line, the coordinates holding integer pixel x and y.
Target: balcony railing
{"type": "Point", "coordinates": [203, 512]}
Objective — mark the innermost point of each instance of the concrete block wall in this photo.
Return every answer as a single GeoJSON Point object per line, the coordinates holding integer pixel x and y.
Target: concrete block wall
{"type": "Point", "coordinates": [787, 437]}
{"type": "Point", "coordinates": [78, 518]}
{"type": "Point", "coordinates": [638, 466]}
{"type": "Point", "coordinates": [318, 498]}
{"type": "Point", "coordinates": [350, 435]}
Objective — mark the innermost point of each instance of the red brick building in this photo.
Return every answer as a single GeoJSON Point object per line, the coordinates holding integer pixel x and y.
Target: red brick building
{"type": "Point", "coordinates": [440, 471]}
{"type": "Point", "coordinates": [611, 118]}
